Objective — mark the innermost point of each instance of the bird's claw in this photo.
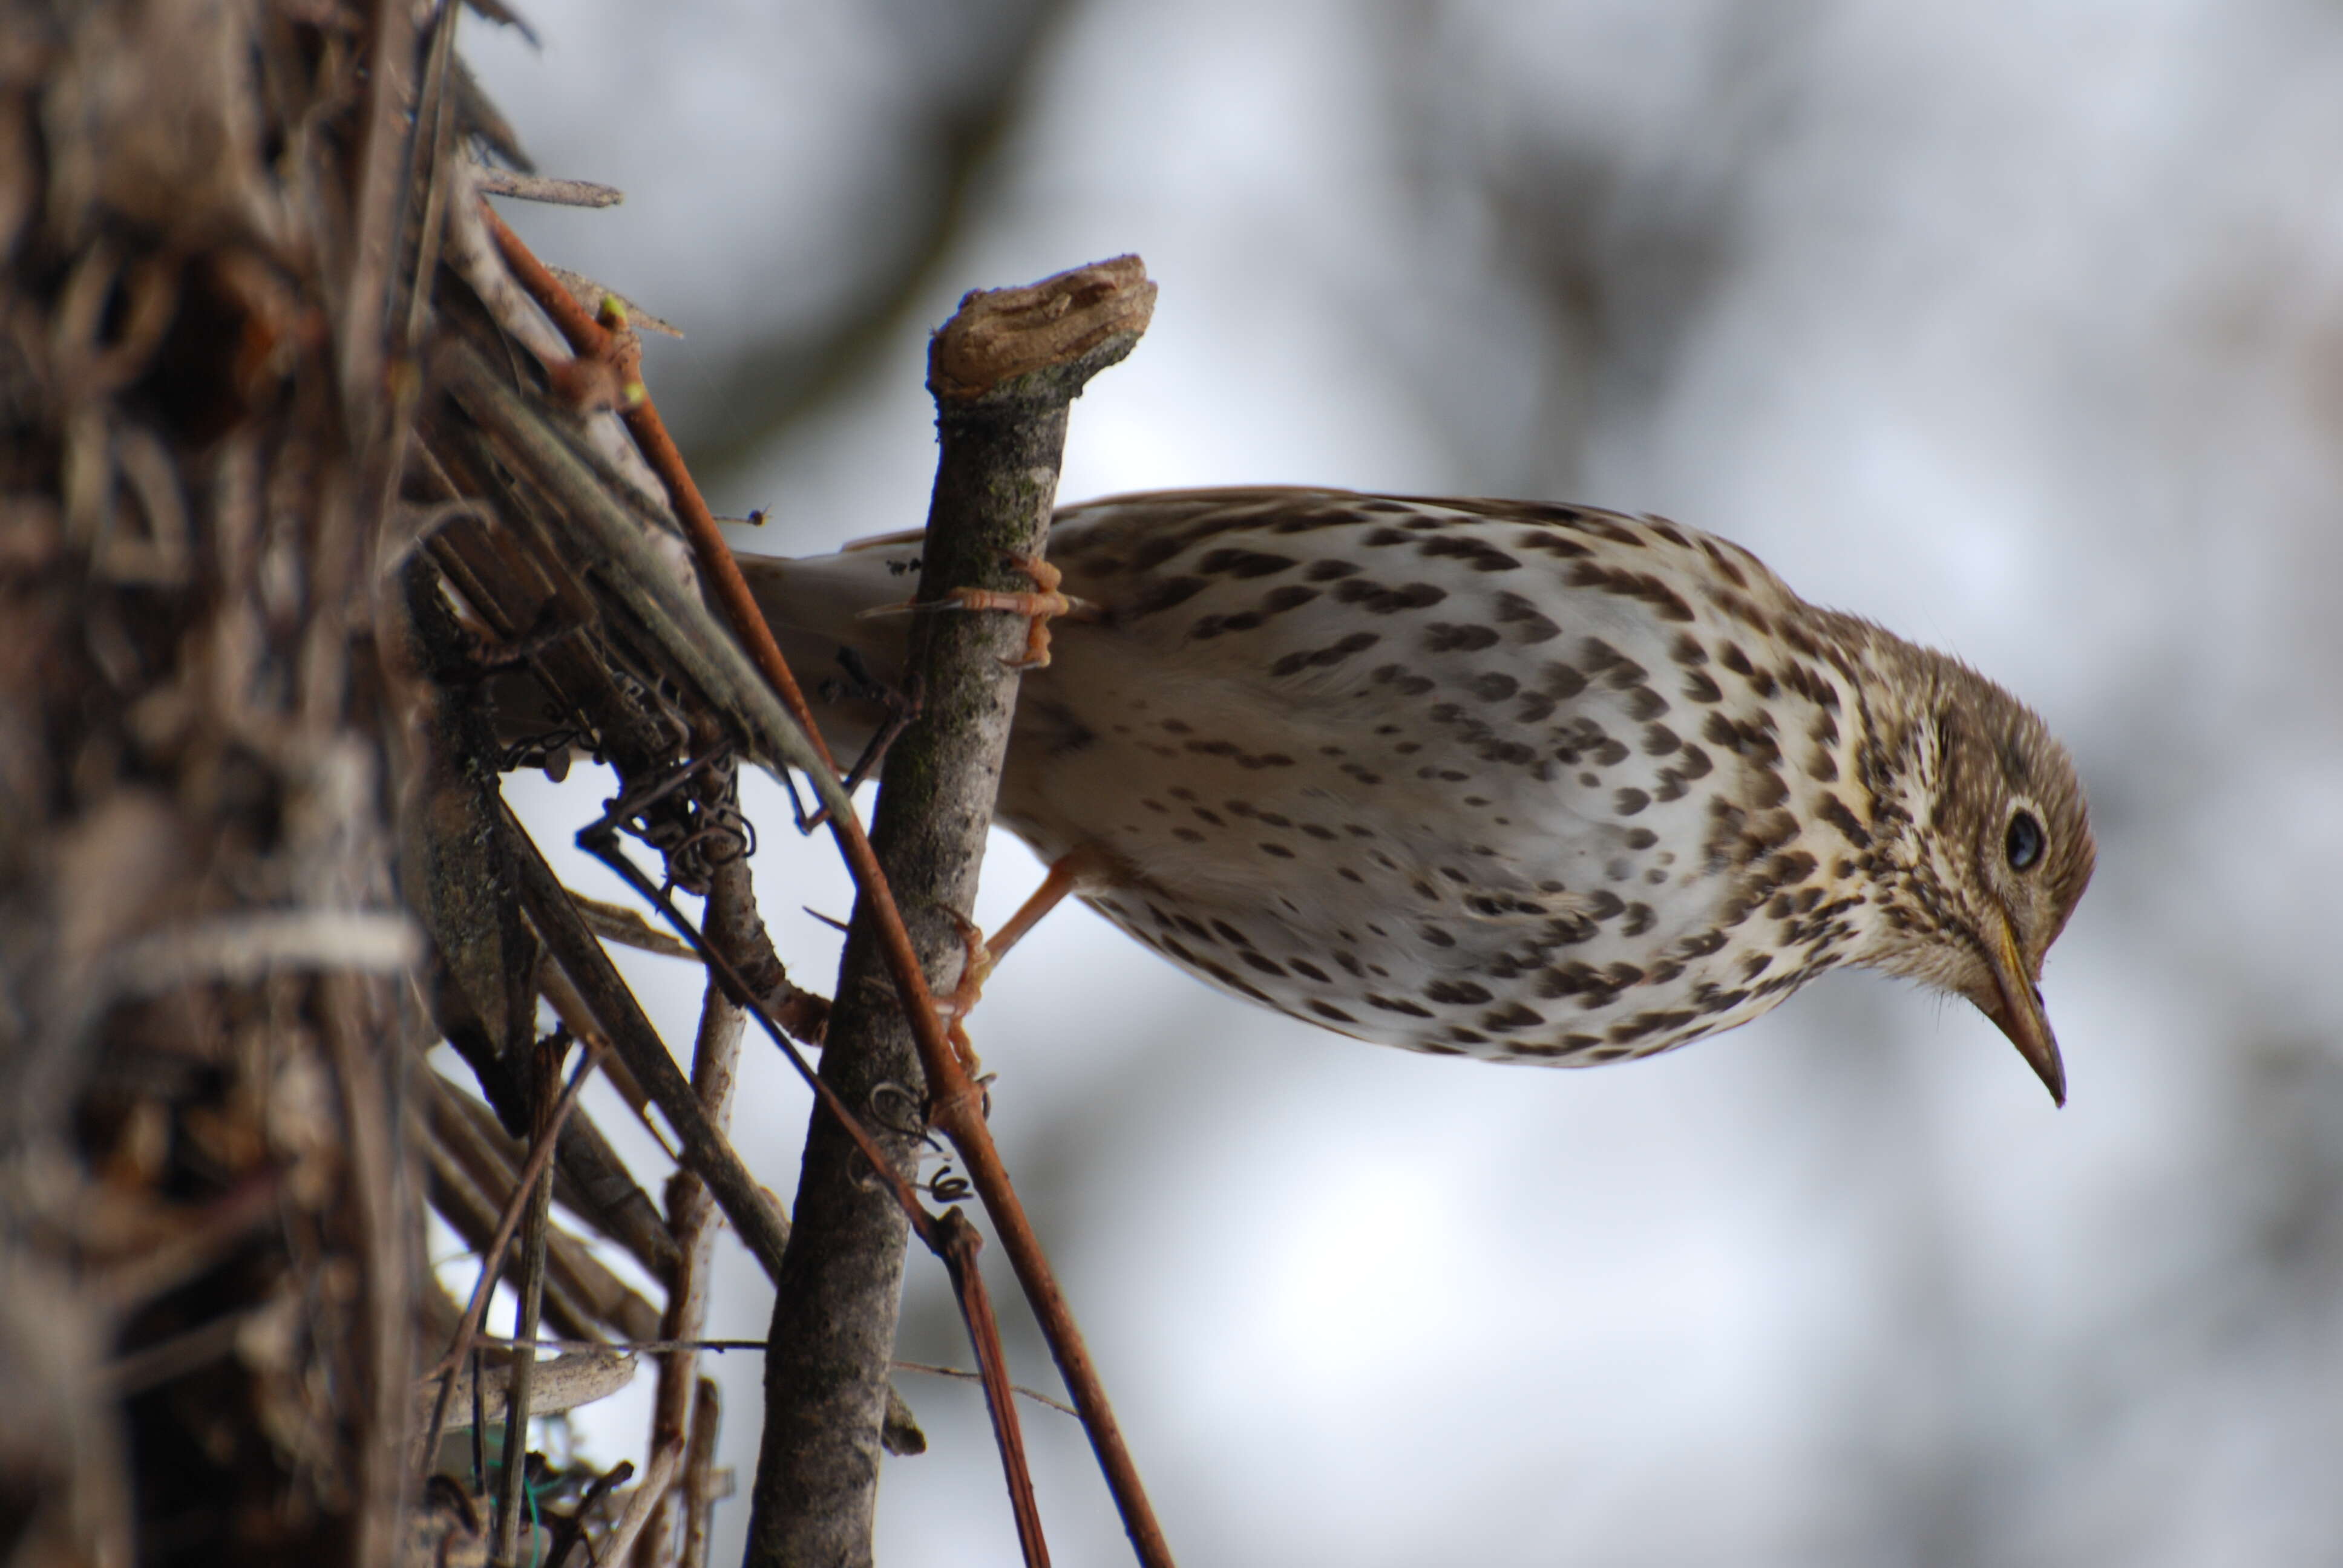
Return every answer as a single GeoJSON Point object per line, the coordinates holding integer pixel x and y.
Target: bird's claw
{"type": "Point", "coordinates": [1039, 607]}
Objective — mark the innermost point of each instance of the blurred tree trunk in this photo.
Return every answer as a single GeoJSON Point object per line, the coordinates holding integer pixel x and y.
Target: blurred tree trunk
{"type": "Point", "coordinates": [208, 1250]}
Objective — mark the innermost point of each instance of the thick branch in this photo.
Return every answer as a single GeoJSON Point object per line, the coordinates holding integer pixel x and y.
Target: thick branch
{"type": "Point", "coordinates": [1002, 408]}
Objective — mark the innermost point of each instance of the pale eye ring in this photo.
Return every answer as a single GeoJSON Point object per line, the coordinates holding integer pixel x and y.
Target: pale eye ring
{"type": "Point", "coordinates": [2024, 843]}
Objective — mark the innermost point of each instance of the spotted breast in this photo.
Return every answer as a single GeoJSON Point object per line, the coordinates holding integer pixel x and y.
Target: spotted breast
{"type": "Point", "coordinates": [1506, 780]}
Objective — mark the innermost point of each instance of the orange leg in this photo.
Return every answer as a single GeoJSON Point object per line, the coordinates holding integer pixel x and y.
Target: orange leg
{"type": "Point", "coordinates": [1067, 874]}
{"type": "Point", "coordinates": [1041, 606]}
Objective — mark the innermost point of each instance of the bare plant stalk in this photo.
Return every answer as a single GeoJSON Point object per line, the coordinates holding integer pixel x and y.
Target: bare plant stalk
{"type": "Point", "coordinates": [1004, 422]}
{"type": "Point", "coordinates": [699, 1474]}
{"type": "Point", "coordinates": [528, 1288]}
{"type": "Point", "coordinates": [691, 1212]}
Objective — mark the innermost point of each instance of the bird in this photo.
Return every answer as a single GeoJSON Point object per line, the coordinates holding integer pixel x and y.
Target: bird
{"type": "Point", "coordinates": [1515, 781]}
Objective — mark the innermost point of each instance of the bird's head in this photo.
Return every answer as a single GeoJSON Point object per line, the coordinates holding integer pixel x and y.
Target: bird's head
{"type": "Point", "coordinates": [1995, 859]}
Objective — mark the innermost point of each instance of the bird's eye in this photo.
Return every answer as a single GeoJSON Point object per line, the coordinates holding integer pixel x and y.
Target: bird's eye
{"type": "Point", "coordinates": [2023, 844]}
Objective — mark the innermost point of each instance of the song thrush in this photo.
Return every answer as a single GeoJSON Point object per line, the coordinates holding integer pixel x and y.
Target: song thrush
{"type": "Point", "coordinates": [1498, 778]}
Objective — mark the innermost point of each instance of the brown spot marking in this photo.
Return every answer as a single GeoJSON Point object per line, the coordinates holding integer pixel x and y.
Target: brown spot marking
{"type": "Point", "coordinates": [1160, 595]}
{"type": "Point", "coordinates": [1628, 802]}
{"type": "Point", "coordinates": [1724, 563]}
{"type": "Point", "coordinates": [1601, 659]}
{"type": "Point", "coordinates": [1327, 1010]}
{"type": "Point", "coordinates": [1834, 810]}
{"type": "Point", "coordinates": [1395, 1004]}
{"type": "Point", "coordinates": [1642, 703]}
{"type": "Point", "coordinates": [1207, 627]}
{"type": "Point", "coordinates": [1234, 981]}
{"type": "Point", "coordinates": [1561, 681]}
{"type": "Point", "coordinates": [1567, 979]}
{"type": "Point", "coordinates": [1409, 683]}
{"type": "Point", "coordinates": [1326, 658]}
{"type": "Point", "coordinates": [1262, 961]}
{"type": "Point", "coordinates": [1483, 555]}
{"type": "Point", "coordinates": [1665, 602]}
{"type": "Point", "coordinates": [1444, 636]}
{"type": "Point", "coordinates": [1802, 680]}
{"type": "Point", "coordinates": [1609, 527]}
{"type": "Point", "coordinates": [1377, 599]}
{"type": "Point", "coordinates": [1329, 570]}
{"type": "Point", "coordinates": [1292, 596]}
{"type": "Point", "coordinates": [1241, 563]}
{"type": "Point", "coordinates": [1460, 992]}
{"type": "Point", "coordinates": [1746, 612]}
{"type": "Point", "coordinates": [1687, 651]}
{"type": "Point", "coordinates": [1793, 867]}
{"type": "Point", "coordinates": [1509, 1017]}
{"type": "Point", "coordinates": [1493, 686]}
{"type": "Point", "coordinates": [1699, 687]}
{"type": "Point", "coordinates": [1528, 624]}
{"type": "Point", "coordinates": [1552, 543]}
{"type": "Point", "coordinates": [1659, 740]}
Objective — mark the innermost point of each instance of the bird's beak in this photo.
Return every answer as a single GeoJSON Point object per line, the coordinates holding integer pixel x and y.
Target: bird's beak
{"type": "Point", "coordinates": [2017, 1013]}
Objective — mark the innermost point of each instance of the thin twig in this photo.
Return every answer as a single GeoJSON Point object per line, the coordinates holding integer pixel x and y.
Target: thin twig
{"type": "Point", "coordinates": [540, 1151]}
{"type": "Point", "coordinates": [546, 188]}
{"type": "Point", "coordinates": [730, 912]}
{"type": "Point", "coordinates": [647, 1494]}
{"type": "Point", "coordinates": [529, 1287]}
{"type": "Point", "coordinates": [699, 1474]}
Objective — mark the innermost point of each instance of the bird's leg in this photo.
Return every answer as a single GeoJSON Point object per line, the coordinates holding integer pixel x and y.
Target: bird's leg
{"type": "Point", "coordinates": [1066, 873]}
{"type": "Point", "coordinates": [1039, 607]}
{"type": "Point", "coordinates": [954, 1009]}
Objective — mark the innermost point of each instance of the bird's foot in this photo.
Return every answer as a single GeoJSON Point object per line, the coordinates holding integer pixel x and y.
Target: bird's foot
{"type": "Point", "coordinates": [954, 1009]}
{"type": "Point", "coordinates": [1039, 607]}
